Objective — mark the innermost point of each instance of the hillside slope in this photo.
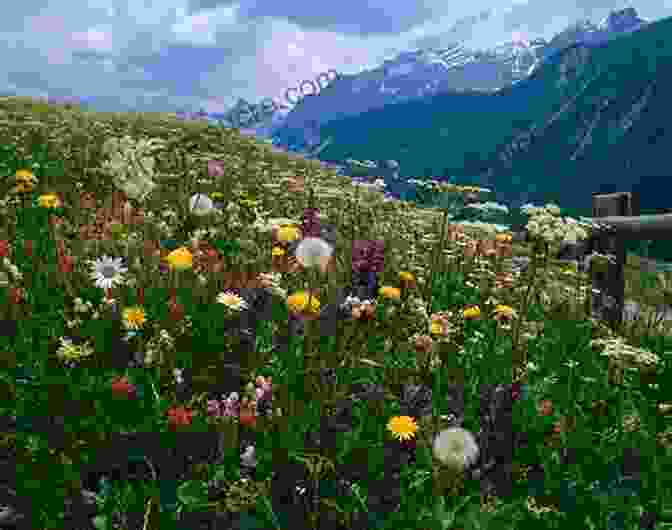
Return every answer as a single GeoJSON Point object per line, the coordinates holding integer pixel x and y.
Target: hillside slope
{"type": "Point", "coordinates": [592, 118]}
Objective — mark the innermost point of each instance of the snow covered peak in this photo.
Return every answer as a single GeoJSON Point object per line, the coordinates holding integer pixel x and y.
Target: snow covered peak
{"type": "Point", "coordinates": [622, 20]}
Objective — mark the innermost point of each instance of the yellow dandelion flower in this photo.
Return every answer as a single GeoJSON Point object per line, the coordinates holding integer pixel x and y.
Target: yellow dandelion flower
{"type": "Point", "coordinates": [278, 251]}
{"type": "Point", "coordinates": [133, 317]}
{"type": "Point", "coordinates": [505, 311]}
{"type": "Point", "coordinates": [406, 276]}
{"type": "Point", "coordinates": [180, 259]}
{"type": "Point", "coordinates": [387, 291]}
{"type": "Point", "coordinates": [288, 233]}
{"type": "Point", "coordinates": [49, 200]}
{"type": "Point", "coordinates": [439, 324]}
{"type": "Point", "coordinates": [472, 312]}
{"type": "Point", "coordinates": [25, 181]}
{"type": "Point", "coordinates": [298, 302]}
{"type": "Point", "coordinates": [25, 176]}
{"type": "Point", "coordinates": [402, 427]}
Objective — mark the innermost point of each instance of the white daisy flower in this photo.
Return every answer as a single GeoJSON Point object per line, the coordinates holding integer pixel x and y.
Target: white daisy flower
{"type": "Point", "coordinates": [232, 301]}
{"type": "Point", "coordinates": [107, 272]}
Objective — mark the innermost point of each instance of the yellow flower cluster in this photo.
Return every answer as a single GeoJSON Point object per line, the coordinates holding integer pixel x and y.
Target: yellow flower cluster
{"type": "Point", "coordinates": [387, 291]}
{"type": "Point", "coordinates": [505, 311]}
{"type": "Point", "coordinates": [49, 200]}
{"type": "Point", "coordinates": [402, 427]}
{"type": "Point", "coordinates": [298, 303]}
{"type": "Point", "coordinates": [472, 312]}
{"type": "Point", "coordinates": [288, 233]}
{"type": "Point", "coordinates": [25, 181]}
{"type": "Point", "coordinates": [180, 259]}
{"type": "Point", "coordinates": [133, 317]}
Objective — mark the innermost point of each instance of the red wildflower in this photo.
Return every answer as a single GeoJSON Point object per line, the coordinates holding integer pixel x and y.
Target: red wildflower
{"type": "Point", "coordinates": [175, 310]}
{"type": "Point", "coordinates": [65, 263]}
{"type": "Point", "coordinates": [249, 420]}
{"type": "Point", "coordinates": [15, 295]}
{"type": "Point", "coordinates": [516, 391]}
{"type": "Point", "coordinates": [141, 295]}
{"type": "Point", "coordinates": [122, 388]}
{"type": "Point", "coordinates": [179, 416]}
{"type": "Point", "coordinates": [5, 248]}
{"type": "Point", "coordinates": [545, 407]}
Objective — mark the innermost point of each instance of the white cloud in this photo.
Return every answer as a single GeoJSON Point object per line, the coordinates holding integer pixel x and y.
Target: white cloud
{"type": "Point", "coordinates": [196, 29]}
{"type": "Point", "coordinates": [94, 39]}
{"type": "Point", "coordinates": [181, 55]}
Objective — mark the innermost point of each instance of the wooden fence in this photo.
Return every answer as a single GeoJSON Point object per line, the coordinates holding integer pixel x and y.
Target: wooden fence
{"type": "Point", "coordinates": [619, 214]}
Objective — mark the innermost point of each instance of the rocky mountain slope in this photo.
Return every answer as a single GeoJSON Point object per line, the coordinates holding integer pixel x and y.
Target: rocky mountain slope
{"type": "Point", "coordinates": [593, 117]}
{"type": "Point", "coordinates": [424, 73]}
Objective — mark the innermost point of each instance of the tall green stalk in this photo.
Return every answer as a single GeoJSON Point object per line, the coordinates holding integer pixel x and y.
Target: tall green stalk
{"type": "Point", "coordinates": [437, 251]}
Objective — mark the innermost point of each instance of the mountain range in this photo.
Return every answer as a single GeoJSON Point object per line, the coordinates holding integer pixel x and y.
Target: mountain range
{"type": "Point", "coordinates": [593, 117]}
{"type": "Point", "coordinates": [426, 72]}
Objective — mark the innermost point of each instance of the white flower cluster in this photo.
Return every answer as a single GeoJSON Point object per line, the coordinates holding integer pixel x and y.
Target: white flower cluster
{"type": "Point", "coordinates": [376, 185]}
{"type": "Point", "coordinates": [480, 227]}
{"type": "Point", "coordinates": [418, 307]}
{"type": "Point", "coordinates": [616, 348]}
{"type": "Point", "coordinates": [370, 164]}
{"type": "Point", "coordinates": [352, 301]}
{"type": "Point", "coordinates": [68, 351]}
{"type": "Point", "coordinates": [157, 345]}
{"type": "Point", "coordinates": [263, 224]}
{"type": "Point", "coordinates": [130, 164]}
{"type": "Point", "coordinates": [488, 207]}
{"type": "Point", "coordinates": [13, 270]}
{"type": "Point", "coordinates": [204, 233]}
{"type": "Point", "coordinates": [84, 310]}
{"type": "Point", "coordinates": [546, 224]}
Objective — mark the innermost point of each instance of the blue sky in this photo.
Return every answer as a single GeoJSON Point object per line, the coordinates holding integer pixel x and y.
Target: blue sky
{"type": "Point", "coordinates": [169, 54]}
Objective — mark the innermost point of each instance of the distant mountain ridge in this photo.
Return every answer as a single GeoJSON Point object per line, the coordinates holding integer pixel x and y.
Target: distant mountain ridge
{"type": "Point", "coordinates": [424, 73]}
{"type": "Point", "coordinates": [592, 118]}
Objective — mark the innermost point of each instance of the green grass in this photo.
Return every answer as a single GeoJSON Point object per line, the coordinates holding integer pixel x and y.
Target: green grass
{"type": "Point", "coordinates": [547, 347]}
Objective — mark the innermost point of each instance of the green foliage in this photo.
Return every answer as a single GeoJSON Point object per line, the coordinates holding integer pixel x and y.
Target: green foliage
{"type": "Point", "coordinates": [381, 351]}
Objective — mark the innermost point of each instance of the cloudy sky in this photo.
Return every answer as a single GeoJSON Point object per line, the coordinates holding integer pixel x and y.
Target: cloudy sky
{"type": "Point", "coordinates": [165, 55]}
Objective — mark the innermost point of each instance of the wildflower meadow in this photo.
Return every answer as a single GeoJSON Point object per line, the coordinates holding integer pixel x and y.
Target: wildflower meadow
{"type": "Point", "coordinates": [201, 332]}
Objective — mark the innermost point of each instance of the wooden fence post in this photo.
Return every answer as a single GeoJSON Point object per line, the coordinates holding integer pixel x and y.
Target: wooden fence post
{"type": "Point", "coordinates": [607, 304]}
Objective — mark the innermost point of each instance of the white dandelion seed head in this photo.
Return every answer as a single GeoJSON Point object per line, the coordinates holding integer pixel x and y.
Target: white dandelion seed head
{"type": "Point", "coordinates": [313, 251]}
{"type": "Point", "coordinates": [200, 204]}
{"type": "Point", "coordinates": [456, 448]}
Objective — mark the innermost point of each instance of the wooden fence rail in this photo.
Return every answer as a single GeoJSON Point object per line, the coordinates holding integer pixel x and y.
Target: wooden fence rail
{"type": "Point", "coordinates": [619, 213]}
